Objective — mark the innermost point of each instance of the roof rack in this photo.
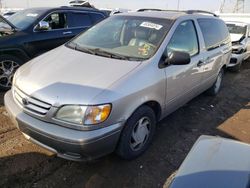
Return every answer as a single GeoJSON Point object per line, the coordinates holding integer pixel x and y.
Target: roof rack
{"type": "Point", "coordinates": [148, 9]}
{"type": "Point", "coordinates": [200, 11]}
{"type": "Point", "coordinates": [183, 11]}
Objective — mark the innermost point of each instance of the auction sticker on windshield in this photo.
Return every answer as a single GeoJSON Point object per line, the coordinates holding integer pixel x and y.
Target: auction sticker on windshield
{"type": "Point", "coordinates": [151, 25]}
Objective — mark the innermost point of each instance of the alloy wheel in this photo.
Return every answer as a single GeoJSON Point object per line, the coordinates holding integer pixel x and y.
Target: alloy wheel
{"type": "Point", "coordinates": [7, 70]}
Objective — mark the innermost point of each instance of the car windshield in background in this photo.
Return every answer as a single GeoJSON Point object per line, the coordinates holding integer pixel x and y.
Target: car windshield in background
{"type": "Point", "coordinates": [4, 25]}
{"type": "Point", "coordinates": [124, 37]}
{"type": "Point", "coordinates": [237, 29]}
{"type": "Point", "coordinates": [24, 18]}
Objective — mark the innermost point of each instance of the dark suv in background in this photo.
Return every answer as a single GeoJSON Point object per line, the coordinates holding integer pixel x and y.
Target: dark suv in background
{"type": "Point", "coordinates": [31, 32]}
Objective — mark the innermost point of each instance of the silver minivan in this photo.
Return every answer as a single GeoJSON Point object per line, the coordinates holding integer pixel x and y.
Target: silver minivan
{"type": "Point", "coordinates": [105, 90]}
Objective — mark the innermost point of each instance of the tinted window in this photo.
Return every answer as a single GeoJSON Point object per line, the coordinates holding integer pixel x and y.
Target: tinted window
{"type": "Point", "coordinates": [184, 39]}
{"type": "Point", "coordinates": [81, 20]}
{"type": "Point", "coordinates": [214, 31]}
{"type": "Point", "coordinates": [57, 21]}
{"type": "Point", "coordinates": [97, 17]}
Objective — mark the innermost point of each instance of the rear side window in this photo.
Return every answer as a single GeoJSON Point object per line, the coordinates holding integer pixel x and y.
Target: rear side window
{"type": "Point", "coordinates": [214, 31]}
{"type": "Point", "coordinates": [97, 17]}
{"type": "Point", "coordinates": [184, 39]}
{"type": "Point", "coordinates": [81, 20]}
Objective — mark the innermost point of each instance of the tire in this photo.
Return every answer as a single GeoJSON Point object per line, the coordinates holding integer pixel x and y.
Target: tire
{"type": "Point", "coordinates": [137, 133]}
{"type": "Point", "coordinates": [214, 90]}
{"type": "Point", "coordinates": [8, 66]}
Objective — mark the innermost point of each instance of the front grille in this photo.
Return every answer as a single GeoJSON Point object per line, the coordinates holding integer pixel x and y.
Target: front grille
{"type": "Point", "coordinates": [233, 61]}
{"type": "Point", "coordinates": [31, 104]}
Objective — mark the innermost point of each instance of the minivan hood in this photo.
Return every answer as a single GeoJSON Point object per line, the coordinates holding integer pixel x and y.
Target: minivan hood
{"type": "Point", "coordinates": [65, 76]}
{"type": "Point", "coordinates": [236, 37]}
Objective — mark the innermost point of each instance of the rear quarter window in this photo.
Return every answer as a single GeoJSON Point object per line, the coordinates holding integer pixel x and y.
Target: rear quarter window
{"type": "Point", "coordinates": [97, 17]}
{"type": "Point", "coordinates": [215, 32]}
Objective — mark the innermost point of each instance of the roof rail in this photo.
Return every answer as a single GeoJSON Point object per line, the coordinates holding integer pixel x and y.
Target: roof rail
{"type": "Point", "coordinates": [201, 12]}
{"type": "Point", "coordinates": [148, 9]}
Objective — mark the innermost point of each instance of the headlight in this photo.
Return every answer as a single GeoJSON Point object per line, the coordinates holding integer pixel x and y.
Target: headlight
{"type": "Point", "coordinates": [84, 115]}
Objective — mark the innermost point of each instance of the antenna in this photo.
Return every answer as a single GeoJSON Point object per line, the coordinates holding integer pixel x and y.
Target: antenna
{"type": "Point", "coordinates": [239, 6]}
{"type": "Point", "coordinates": [178, 5]}
{"type": "Point", "coordinates": [222, 6]}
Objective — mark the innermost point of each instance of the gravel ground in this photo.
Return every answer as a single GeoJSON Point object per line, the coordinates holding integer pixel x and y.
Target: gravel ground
{"type": "Point", "coordinates": [23, 164]}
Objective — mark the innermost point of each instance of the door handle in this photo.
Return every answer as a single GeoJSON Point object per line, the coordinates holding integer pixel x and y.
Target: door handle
{"type": "Point", "coordinates": [67, 32]}
{"type": "Point", "coordinates": [200, 63]}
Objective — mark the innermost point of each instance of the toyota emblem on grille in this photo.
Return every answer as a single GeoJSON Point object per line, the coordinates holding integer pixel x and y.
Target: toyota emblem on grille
{"type": "Point", "coordinates": [25, 101]}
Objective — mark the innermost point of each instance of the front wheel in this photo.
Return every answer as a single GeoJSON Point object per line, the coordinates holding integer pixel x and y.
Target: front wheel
{"type": "Point", "coordinates": [137, 134]}
{"type": "Point", "coordinates": [214, 90]}
{"type": "Point", "coordinates": [8, 66]}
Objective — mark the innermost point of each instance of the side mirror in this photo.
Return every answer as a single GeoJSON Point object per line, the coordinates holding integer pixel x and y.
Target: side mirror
{"type": "Point", "coordinates": [179, 58]}
{"type": "Point", "coordinates": [42, 26]}
{"type": "Point", "coordinates": [175, 58]}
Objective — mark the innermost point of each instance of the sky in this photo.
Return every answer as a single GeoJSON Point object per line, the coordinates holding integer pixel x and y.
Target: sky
{"type": "Point", "coordinates": [210, 5]}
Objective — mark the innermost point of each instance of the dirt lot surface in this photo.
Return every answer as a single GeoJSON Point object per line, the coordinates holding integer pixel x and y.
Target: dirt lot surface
{"type": "Point", "coordinates": [23, 164]}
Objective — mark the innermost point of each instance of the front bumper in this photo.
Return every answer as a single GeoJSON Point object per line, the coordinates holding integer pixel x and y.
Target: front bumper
{"type": "Point", "coordinates": [65, 142]}
{"type": "Point", "coordinates": [237, 59]}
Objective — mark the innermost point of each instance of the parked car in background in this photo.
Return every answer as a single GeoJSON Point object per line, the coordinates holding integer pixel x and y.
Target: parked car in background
{"type": "Point", "coordinates": [239, 28]}
{"type": "Point", "coordinates": [111, 12]}
{"type": "Point", "coordinates": [80, 4]}
{"type": "Point", "coordinates": [214, 162]}
{"type": "Point", "coordinates": [106, 89]}
{"type": "Point", "coordinates": [31, 32]}
{"type": "Point", "coordinates": [241, 43]}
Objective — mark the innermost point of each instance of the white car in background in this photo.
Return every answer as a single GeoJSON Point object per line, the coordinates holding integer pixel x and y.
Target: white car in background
{"type": "Point", "coordinates": [239, 29]}
{"type": "Point", "coordinates": [239, 33]}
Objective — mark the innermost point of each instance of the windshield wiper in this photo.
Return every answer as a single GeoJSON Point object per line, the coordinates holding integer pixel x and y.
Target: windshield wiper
{"type": "Point", "coordinates": [82, 49]}
{"type": "Point", "coordinates": [101, 52]}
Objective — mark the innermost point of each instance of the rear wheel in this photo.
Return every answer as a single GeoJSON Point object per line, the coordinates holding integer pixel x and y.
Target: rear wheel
{"type": "Point", "coordinates": [137, 134]}
{"type": "Point", "coordinates": [214, 90]}
{"type": "Point", "coordinates": [8, 66]}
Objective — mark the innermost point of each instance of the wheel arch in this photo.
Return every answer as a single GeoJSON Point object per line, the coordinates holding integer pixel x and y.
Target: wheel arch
{"type": "Point", "coordinates": [18, 53]}
{"type": "Point", "coordinates": [154, 105]}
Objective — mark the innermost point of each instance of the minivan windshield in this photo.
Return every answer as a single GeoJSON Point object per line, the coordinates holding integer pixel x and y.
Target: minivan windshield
{"type": "Point", "coordinates": [124, 37]}
{"type": "Point", "coordinates": [237, 29]}
{"type": "Point", "coordinates": [24, 18]}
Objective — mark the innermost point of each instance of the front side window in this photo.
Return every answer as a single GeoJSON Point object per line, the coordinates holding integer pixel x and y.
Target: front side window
{"type": "Point", "coordinates": [184, 39]}
{"type": "Point", "coordinates": [128, 37]}
{"type": "Point", "coordinates": [57, 21]}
